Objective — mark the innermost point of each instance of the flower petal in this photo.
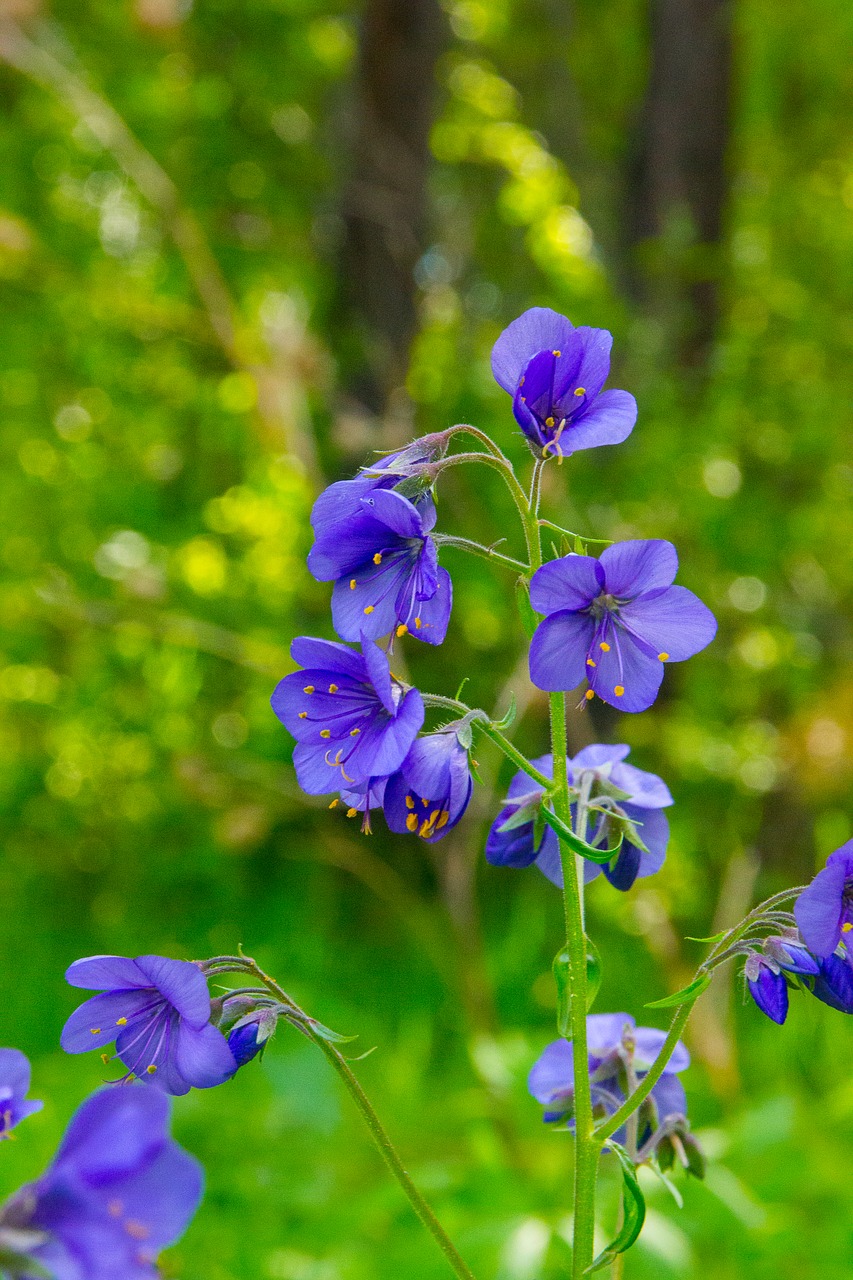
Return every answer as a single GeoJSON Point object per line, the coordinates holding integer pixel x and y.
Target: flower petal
{"type": "Point", "coordinates": [819, 910]}
{"type": "Point", "coordinates": [15, 1072]}
{"type": "Point", "coordinates": [649, 1042]}
{"type": "Point", "coordinates": [647, 791]}
{"type": "Point", "coordinates": [365, 602]}
{"type": "Point", "coordinates": [674, 622]}
{"type": "Point", "coordinates": [329, 656]}
{"type": "Point", "coordinates": [202, 1056]}
{"type": "Point", "coordinates": [99, 973]}
{"type": "Point", "coordinates": [95, 1023]}
{"type": "Point", "coordinates": [558, 651]}
{"type": "Point", "coordinates": [670, 1098]}
{"type": "Point", "coordinates": [163, 1195]}
{"type": "Point", "coordinates": [538, 329]}
{"type": "Point", "coordinates": [570, 583]}
{"type": "Point", "coordinates": [112, 1133]}
{"type": "Point", "coordinates": [379, 671]}
{"type": "Point", "coordinates": [552, 1074]}
{"type": "Point", "coordinates": [609, 419]}
{"type": "Point", "coordinates": [598, 756]}
{"type": "Point", "coordinates": [396, 512]}
{"type": "Point", "coordinates": [181, 983]}
{"type": "Point", "coordinates": [434, 613]}
{"type": "Point", "coordinates": [770, 992]}
{"type": "Point", "coordinates": [633, 568]}
{"type": "Point", "coordinates": [624, 675]}
{"type": "Point", "coordinates": [604, 1032]}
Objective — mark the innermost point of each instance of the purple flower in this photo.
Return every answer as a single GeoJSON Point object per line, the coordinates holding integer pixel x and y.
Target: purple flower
{"type": "Point", "coordinates": [338, 513]}
{"type": "Point", "coordinates": [118, 1191]}
{"type": "Point", "coordinates": [824, 910]}
{"type": "Point", "coordinates": [249, 1036]}
{"type": "Point", "coordinates": [615, 620]}
{"type": "Point", "coordinates": [613, 1042]}
{"type": "Point", "coordinates": [767, 986]}
{"type": "Point", "coordinates": [834, 983]}
{"type": "Point", "coordinates": [387, 571]}
{"type": "Point", "coordinates": [158, 1013]}
{"type": "Point", "coordinates": [555, 374]}
{"type": "Point", "coordinates": [432, 789]}
{"type": "Point", "coordinates": [352, 720]}
{"type": "Point", "coordinates": [510, 842]}
{"type": "Point", "coordinates": [14, 1087]}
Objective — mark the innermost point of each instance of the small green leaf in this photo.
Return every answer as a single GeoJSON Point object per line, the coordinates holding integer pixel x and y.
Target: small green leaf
{"type": "Point", "coordinates": [717, 937]}
{"type": "Point", "coordinates": [522, 817]}
{"type": "Point", "coordinates": [593, 972]}
{"type": "Point", "coordinates": [560, 969]}
{"type": "Point", "coordinates": [692, 991]}
{"type": "Point", "coordinates": [326, 1033]}
{"type": "Point", "coordinates": [633, 1211]}
{"type": "Point", "coordinates": [668, 1183]}
{"type": "Point", "coordinates": [574, 841]}
{"type": "Point", "coordinates": [508, 716]}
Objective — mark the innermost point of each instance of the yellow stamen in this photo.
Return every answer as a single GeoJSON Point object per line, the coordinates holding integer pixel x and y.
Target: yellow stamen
{"type": "Point", "coordinates": [556, 353]}
{"type": "Point", "coordinates": [549, 422]}
{"type": "Point", "coordinates": [115, 1208]}
{"type": "Point", "coordinates": [664, 657]}
{"type": "Point", "coordinates": [604, 647]}
{"type": "Point", "coordinates": [121, 1022]}
{"type": "Point", "coordinates": [334, 803]}
{"type": "Point", "coordinates": [303, 715]}
{"type": "Point", "coordinates": [580, 391]}
{"type": "Point", "coordinates": [418, 623]}
{"type": "Point", "coordinates": [589, 695]}
{"type": "Point", "coordinates": [368, 608]}
{"type": "Point", "coordinates": [351, 813]}
{"type": "Point", "coordinates": [410, 802]}
{"type": "Point", "coordinates": [138, 1230]}
{"type": "Point", "coordinates": [353, 732]}
{"type": "Point", "coordinates": [352, 584]}
{"type": "Point", "coordinates": [151, 1069]}
{"type": "Point", "coordinates": [333, 688]}
{"type": "Point", "coordinates": [105, 1057]}
{"type": "Point", "coordinates": [325, 733]}
{"type": "Point", "coordinates": [402, 629]}
{"type": "Point", "coordinates": [521, 383]}
{"type": "Point", "coordinates": [425, 830]}
{"type": "Point", "coordinates": [412, 822]}
{"type": "Point", "coordinates": [619, 690]}
{"type": "Point", "coordinates": [443, 820]}
{"type": "Point", "coordinates": [96, 1031]}
{"type": "Point", "coordinates": [590, 663]}
{"type": "Point", "coordinates": [377, 559]}
{"type": "Point", "coordinates": [309, 688]}
{"type": "Point", "coordinates": [425, 803]}
{"type": "Point", "coordinates": [845, 928]}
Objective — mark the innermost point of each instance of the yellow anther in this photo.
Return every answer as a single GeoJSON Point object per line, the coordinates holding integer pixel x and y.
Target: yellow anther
{"type": "Point", "coordinates": [444, 818]}
{"type": "Point", "coordinates": [425, 830]}
{"type": "Point", "coordinates": [410, 802]}
{"type": "Point", "coordinates": [352, 584]}
{"type": "Point", "coordinates": [121, 1022]}
{"type": "Point", "coordinates": [351, 813]}
{"type": "Point", "coordinates": [151, 1069]}
{"type": "Point", "coordinates": [590, 663]}
{"type": "Point", "coordinates": [664, 657]}
{"type": "Point", "coordinates": [604, 647]}
{"type": "Point", "coordinates": [368, 608]}
{"type": "Point", "coordinates": [333, 688]}
{"type": "Point", "coordinates": [425, 803]}
{"type": "Point", "coordinates": [619, 690]}
{"type": "Point", "coordinates": [402, 629]}
{"type": "Point", "coordinates": [353, 732]}
{"type": "Point", "coordinates": [556, 353]}
{"type": "Point", "coordinates": [334, 803]}
{"type": "Point", "coordinates": [115, 1208]}
{"type": "Point", "coordinates": [412, 822]}
{"type": "Point", "coordinates": [309, 688]}
{"type": "Point", "coordinates": [549, 422]}
{"type": "Point", "coordinates": [418, 623]}
{"type": "Point", "coordinates": [580, 391]}
{"type": "Point", "coordinates": [96, 1031]}
{"type": "Point", "coordinates": [524, 399]}
{"type": "Point", "coordinates": [846, 927]}
{"type": "Point", "coordinates": [589, 695]}
{"type": "Point", "coordinates": [105, 1057]}
{"type": "Point", "coordinates": [303, 715]}
{"type": "Point", "coordinates": [325, 733]}
{"type": "Point", "coordinates": [521, 383]}
{"type": "Point", "coordinates": [138, 1230]}
{"type": "Point", "coordinates": [377, 559]}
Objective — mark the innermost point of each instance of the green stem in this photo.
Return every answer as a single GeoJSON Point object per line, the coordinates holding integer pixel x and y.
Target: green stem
{"type": "Point", "coordinates": [464, 428]}
{"type": "Point", "coordinates": [377, 1132]}
{"type": "Point", "coordinates": [587, 1145]}
{"type": "Point", "coordinates": [650, 1079]}
{"type": "Point", "coordinates": [482, 722]}
{"type": "Point", "coordinates": [519, 497]}
{"type": "Point", "coordinates": [477, 549]}
{"type": "Point", "coordinates": [593, 542]}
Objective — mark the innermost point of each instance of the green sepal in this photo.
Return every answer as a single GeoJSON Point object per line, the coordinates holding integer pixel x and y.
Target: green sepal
{"type": "Point", "coordinates": [633, 1211]}
{"type": "Point", "coordinates": [508, 716]}
{"type": "Point", "coordinates": [520, 818]}
{"type": "Point", "coordinates": [692, 991]}
{"type": "Point", "coordinates": [575, 843]}
{"type": "Point", "coordinates": [529, 617]}
{"type": "Point", "coordinates": [579, 546]}
{"type": "Point", "coordinates": [717, 937]}
{"type": "Point", "coordinates": [326, 1033]}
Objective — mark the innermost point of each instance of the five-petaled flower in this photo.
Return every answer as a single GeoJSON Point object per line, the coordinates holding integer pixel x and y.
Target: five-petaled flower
{"type": "Point", "coordinates": [614, 1044]}
{"type": "Point", "coordinates": [14, 1087]}
{"type": "Point", "coordinates": [118, 1190]}
{"type": "Point", "coordinates": [824, 910]}
{"type": "Point", "coordinates": [352, 720]}
{"type": "Point", "coordinates": [431, 790]}
{"type": "Point", "coordinates": [555, 374]}
{"type": "Point", "coordinates": [386, 572]}
{"type": "Point", "coordinates": [158, 1013]}
{"type": "Point", "coordinates": [616, 620]}
{"type": "Point", "coordinates": [511, 839]}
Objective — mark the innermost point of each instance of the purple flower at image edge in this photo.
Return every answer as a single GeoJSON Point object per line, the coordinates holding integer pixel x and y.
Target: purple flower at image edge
{"type": "Point", "coordinates": [15, 1077]}
{"type": "Point", "coordinates": [555, 374]}
{"type": "Point", "coordinates": [510, 842]}
{"type": "Point", "coordinates": [352, 720]}
{"type": "Point", "coordinates": [432, 789]}
{"type": "Point", "coordinates": [824, 910]}
{"type": "Point", "coordinates": [615, 620]}
{"type": "Point", "coordinates": [158, 1013]}
{"type": "Point", "coordinates": [118, 1190]}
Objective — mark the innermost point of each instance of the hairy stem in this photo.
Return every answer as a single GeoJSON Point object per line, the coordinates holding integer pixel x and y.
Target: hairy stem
{"type": "Point", "coordinates": [650, 1079]}
{"type": "Point", "coordinates": [483, 722]}
{"type": "Point", "coordinates": [477, 549]}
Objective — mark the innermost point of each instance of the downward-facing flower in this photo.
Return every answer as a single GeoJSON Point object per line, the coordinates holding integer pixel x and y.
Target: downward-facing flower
{"type": "Point", "coordinates": [824, 910]}
{"type": "Point", "coordinates": [118, 1191]}
{"type": "Point", "coordinates": [512, 838]}
{"type": "Point", "coordinates": [615, 1047]}
{"type": "Point", "coordinates": [14, 1087]}
{"type": "Point", "coordinates": [834, 982]}
{"type": "Point", "coordinates": [339, 514]}
{"type": "Point", "coordinates": [387, 571]}
{"type": "Point", "coordinates": [765, 974]}
{"type": "Point", "coordinates": [616, 620]}
{"type": "Point", "coordinates": [352, 720]}
{"type": "Point", "coordinates": [158, 1013]}
{"type": "Point", "coordinates": [431, 791]}
{"type": "Point", "coordinates": [555, 374]}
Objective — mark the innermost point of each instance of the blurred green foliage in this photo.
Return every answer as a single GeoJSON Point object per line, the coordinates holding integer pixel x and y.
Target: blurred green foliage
{"type": "Point", "coordinates": [153, 530]}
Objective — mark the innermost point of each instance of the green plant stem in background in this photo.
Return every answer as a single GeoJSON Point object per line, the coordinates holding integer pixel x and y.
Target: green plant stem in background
{"type": "Point", "coordinates": [374, 1124]}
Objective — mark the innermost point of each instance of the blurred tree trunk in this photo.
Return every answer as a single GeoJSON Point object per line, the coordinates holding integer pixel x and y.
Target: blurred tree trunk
{"type": "Point", "coordinates": [678, 182]}
{"type": "Point", "coordinates": [385, 203]}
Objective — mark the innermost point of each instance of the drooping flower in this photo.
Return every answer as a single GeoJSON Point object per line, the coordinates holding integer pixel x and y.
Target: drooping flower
{"type": "Point", "coordinates": [14, 1087]}
{"type": "Point", "coordinates": [339, 515]}
{"type": "Point", "coordinates": [250, 1034]}
{"type": "Point", "coordinates": [824, 910]}
{"type": "Point", "coordinates": [511, 839]}
{"type": "Point", "coordinates": [387, 574]}
{"type": "Point", "coordinates": [615, 620]}
{"type": "Point", "coordinates": [555, 374]}
{"type": "Point", "coordinates": [352, 720]}
{"type": "Point", "coordinates": [614, 1042]}
{"type": "Point", "coordinates": [158, 1013]}
{"type": "Point", "coordinates": [765, 972]}
{"type": "Point", "coordinates": [834, 983]}
{"type": "Point", "coordinates": [431, 790]}
{"type": "Point", "coordinates": [118, 1191]}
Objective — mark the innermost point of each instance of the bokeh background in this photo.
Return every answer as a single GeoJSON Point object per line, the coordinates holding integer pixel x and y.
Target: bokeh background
{"type": "Point", "coordinates": [245, 243]}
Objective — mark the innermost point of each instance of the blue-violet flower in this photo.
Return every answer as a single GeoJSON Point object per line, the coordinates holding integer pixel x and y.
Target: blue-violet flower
{"type": "Point", "coordinates": [824, 910]}
{"type": "Point", "coordinates": [431, 790]}
{"type": "Point", "coordinates": [14, 1087]}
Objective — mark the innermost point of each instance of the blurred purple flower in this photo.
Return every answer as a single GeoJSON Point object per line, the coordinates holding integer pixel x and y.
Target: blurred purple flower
{"type": "Point", "coordinates": [352, 720]}
{"type": "Point", "coordinates": [555, 374]}
{"type": "Point", "coordinates": [615, 620]}
{"type": "Point", "coordinates": [158, 1013]}
{"type": "Point", "coordinates": [14, 1087]}
{"type": "Point", "coordinates": [118, 1191]}
{"type": "Point", "coordinates": [510, 842]}
{"type": "Point", "coordinates": [431, 790]}
{"type": "Point", "coordinates": [824, 910]}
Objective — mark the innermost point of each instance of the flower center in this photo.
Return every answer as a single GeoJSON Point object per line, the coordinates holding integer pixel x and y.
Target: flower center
{"type": "Point", "coordinates": [605, 603]}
